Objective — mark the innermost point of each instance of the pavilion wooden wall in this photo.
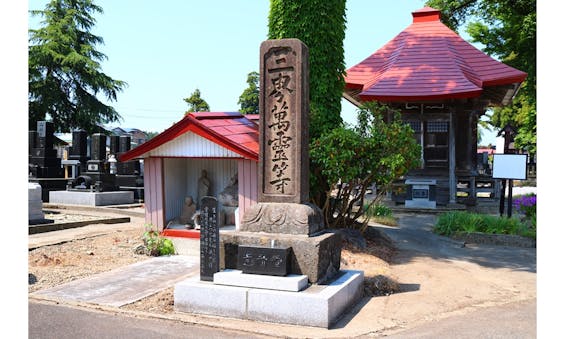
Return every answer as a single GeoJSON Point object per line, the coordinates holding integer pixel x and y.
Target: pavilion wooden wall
{"type": "Point", "coordinates": [247, 179]}
{"type": "Point", "coordinates": [153, 192]}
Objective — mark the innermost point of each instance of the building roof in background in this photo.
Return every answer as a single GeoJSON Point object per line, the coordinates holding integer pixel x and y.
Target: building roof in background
{"type": "Point", "coordinates": [429, 61]}
{"type": "Point", "coordinates": [230, 130]}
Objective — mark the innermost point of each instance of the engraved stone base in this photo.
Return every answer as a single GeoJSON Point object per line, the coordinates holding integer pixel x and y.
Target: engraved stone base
{"type": "Point", "coordinates": [317, 256]}
{"type": "Point", "coordinates": [285, 218]}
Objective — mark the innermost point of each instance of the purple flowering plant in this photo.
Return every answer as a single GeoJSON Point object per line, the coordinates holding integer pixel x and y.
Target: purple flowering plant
{"type": "Point", "coordinates": [526, 204]}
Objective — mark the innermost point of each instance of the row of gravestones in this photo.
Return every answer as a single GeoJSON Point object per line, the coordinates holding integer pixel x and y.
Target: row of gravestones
{"type": "Point", "coordinates": [92, 172]}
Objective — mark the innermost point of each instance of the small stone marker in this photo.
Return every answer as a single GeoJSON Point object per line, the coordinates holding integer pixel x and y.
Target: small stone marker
{"type": "Point", "coordinates": [209, 238]}
{"type": "Point", "coordinates": [263, 260]}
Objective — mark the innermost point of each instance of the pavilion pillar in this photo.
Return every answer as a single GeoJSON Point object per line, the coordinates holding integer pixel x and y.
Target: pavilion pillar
{"type": "Point", "coordinates": [452, 178]}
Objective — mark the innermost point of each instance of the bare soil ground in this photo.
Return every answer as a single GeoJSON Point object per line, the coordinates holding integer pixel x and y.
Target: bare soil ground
{"type": "Point", "coordinates": [54, 265]}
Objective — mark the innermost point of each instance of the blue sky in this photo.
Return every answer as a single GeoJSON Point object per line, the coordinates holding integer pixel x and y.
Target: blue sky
{"type": "Point", "coordinates": [165, 50]}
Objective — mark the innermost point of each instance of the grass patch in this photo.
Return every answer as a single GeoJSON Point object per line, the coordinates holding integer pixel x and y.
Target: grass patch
{"type": "Point", "coordinates": [454, 222]}
{"type": "Point", "coordinates": [381, 214]}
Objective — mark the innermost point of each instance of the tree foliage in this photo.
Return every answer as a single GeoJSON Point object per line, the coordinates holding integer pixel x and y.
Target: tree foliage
{"type": "Point", "coordinates": [376, 152]}
{"type": "Point", "coordinates": [249, 99]}
{"type": "Point", "coordinates": [320, 24]}
{"type": "Point", "coordinates": [65, 75]}
{"type": "Point", "coordinates": [507, 29]}
{"type": "Point", "coordinates": [196, 103]}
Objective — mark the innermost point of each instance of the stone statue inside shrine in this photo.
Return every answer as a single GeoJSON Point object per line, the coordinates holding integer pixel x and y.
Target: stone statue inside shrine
{"type": "Point", "coordinates": [185, 220]}
{"type": "Point", "coordinates": [203, 186]}
{"type": "Point", "coordinates": [229, 196]}
{"type": "Point", "coordinates": [229, 200]}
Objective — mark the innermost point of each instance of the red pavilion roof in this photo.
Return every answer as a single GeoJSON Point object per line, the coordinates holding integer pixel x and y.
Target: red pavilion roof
{"type": "Point", "coordinates": [230, 130]}
{"type": "Point", "coordinates": [428, 61]}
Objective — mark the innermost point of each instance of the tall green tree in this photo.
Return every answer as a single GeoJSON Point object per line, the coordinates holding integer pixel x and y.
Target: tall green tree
{"type": "Point", "coordinates": [320, 24]}
{"type": "Point", "coordinates": [65, 74]}
{"type": "Point", "coordinates": [196, 103]}
{"type": "Point", "coordinates": [507, 30]}
{"type": "Point", "coordinates": [249, 99]}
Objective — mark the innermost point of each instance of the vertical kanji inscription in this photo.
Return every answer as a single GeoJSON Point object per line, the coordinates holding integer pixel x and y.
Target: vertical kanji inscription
{"type": "Point", "coordinates": [283, 127]}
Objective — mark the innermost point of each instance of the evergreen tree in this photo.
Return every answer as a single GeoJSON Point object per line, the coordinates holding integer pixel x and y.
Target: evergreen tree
{"type": "Point", "coordinates": [196, 103]}
{"type": "Point", "coordinates": [249, 99]}
{"type": "Point", "coordinates": [65, 75]}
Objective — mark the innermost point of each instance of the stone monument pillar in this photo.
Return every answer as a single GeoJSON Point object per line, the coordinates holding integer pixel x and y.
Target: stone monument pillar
{"type": "Point", "coordinates": [283, 216]}
{"type": "Point", "coordinates": [283, 242]}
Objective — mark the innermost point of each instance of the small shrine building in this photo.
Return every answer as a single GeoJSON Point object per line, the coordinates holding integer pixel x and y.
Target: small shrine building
{"type": "Point", "coordinates": [223, 144]}
{"type": "Point", "coordinates": [442, 85]}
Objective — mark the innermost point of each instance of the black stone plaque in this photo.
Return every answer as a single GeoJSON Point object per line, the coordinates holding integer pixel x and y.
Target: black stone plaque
{"type": "Point", "coordinates": [209, 238]}
{"type": "Point", "coordinates": [419, 193]}
{"type": "Point", "coordinates": [263, 260]}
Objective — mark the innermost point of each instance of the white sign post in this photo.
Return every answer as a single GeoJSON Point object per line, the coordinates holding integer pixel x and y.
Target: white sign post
{"type": "Point", "coordinates": [509, 167]}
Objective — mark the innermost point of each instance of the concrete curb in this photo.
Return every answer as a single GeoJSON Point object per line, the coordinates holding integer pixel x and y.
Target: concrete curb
{"type": "Point", "coordinates": [41, 228]}
{"type": "Point", "coordinates": [495, 239]}
{"type": "Point", "coordinates": [117, 209]}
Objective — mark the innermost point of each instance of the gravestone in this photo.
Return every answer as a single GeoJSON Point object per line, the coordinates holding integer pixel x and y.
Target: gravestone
{"type": "Point", "coordinates": [128, 176]}
{"type": "Point", "coordinates": [97, 177]}
{"type": "Point", "coordinates": [283, 214]}
{"type": "Point", "coordinates": [79, 149]}
{"type": "Point", "coordinates": [209, 238]}
{"type": "Point", "coordinates": [43, 160]}
{"type": "Point", "coordinates": [44, 167]}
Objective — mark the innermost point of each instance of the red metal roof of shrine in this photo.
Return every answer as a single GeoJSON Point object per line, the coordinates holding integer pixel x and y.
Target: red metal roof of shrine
{"type": "Point", "coordinates": [230, 130]}
{"type": "Point", "coordinates": [428, 61]}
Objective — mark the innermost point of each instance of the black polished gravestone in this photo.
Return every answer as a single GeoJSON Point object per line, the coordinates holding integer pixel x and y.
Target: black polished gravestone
{"type": "Point", "coordinates": [209, 238]}
{"type": "Point", "coordinates": [79, 150]}
{"type": "Point", "coordinates": [44, 167]}
{"type": "Point", "coordinates": [43, 160]}
{"type": "Point", "coordinates": [128, 176]}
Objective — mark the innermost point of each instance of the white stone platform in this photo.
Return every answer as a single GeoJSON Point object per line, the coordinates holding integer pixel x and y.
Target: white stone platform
{"type": "Point", "coordinates": [317, 305]}
{"type": "Point", "coordinates": [291, 282]}
{"type": "Point", "coordinates": [91, 198]}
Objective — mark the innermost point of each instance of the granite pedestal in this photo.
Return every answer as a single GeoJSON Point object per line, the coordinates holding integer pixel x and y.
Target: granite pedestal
{"type": "Point", "coordinates": [91, 198]}
{"type": "Point", "coordinates": [317, 305]}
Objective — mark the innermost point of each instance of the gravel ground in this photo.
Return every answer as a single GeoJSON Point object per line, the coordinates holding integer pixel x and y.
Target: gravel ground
{"type": "Point", "coordinates": [54, 265]}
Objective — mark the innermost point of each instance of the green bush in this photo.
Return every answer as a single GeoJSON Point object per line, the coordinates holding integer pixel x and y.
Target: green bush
{"type": "Point", "coordinates": [454, 222]}
{"type": "Point", "coordinates": [155, 245]}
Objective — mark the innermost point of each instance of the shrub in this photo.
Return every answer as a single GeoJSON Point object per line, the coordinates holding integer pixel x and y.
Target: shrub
{"type": "Point", "coordinates": [453, 222]}
{"type": "Point", "coordinates": [527, 205]}
{"type": "Point", "coordinates": [155, 245]}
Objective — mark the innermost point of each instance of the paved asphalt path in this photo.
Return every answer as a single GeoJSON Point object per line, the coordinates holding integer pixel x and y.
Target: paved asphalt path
{"type": "Point", "coordinates": [52, 321]}
{"type": "Point", "coordinates": [515, 321]}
